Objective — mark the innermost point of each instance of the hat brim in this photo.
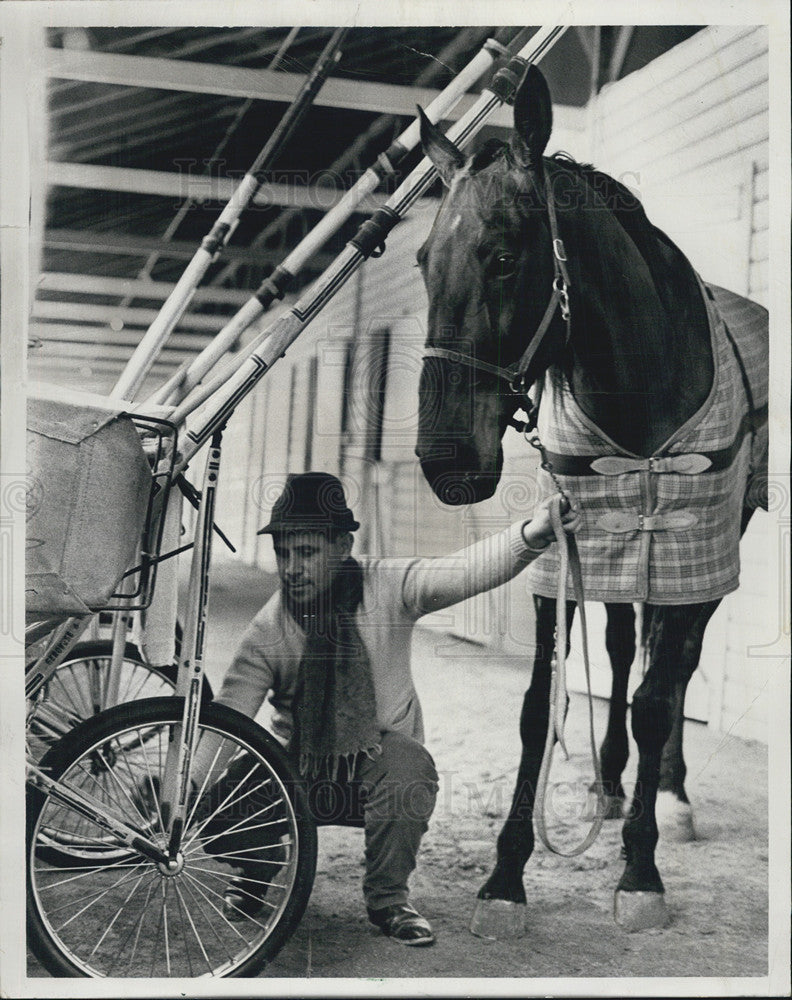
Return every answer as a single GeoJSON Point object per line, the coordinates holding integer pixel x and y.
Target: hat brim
{"type": "Point", "coordinates": [284, 527]}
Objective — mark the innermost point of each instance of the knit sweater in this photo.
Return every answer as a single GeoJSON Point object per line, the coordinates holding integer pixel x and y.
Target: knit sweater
{"type": "Point", "coordinates": [396, 593]}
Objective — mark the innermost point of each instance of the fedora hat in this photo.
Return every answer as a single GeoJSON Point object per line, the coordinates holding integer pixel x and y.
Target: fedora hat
{"type": "Point", "coordinates": [310, 501]}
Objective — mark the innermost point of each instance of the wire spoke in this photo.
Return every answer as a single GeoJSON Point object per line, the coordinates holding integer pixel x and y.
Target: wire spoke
{"type": "Point", "coordinates": [239, 878]}
{"type": "Point", "coordinates": [191, 879]}
{"type": "Point", "coordinates": [196, 935]}
{"type": "Point", "coordinates": [203, 841]}
{"type": "Point", "coordinates": [116, 915]}
{"type": "Point", "coordinates": [89, 870]}
{"type": "Point", "coordinates": [154, 794]}
{"type": "Point", "coordinates": [229, 801]}
{"type": "Point", "coordinates": [222, 899]}
{"type": "Point", "coordinates": [93, 898]}
{"type": "Point", "coordinates": [139, 924]}
{"type": "Point", "coordinates": [111, 799]}
{"type": "Point", "coordinates": [184, 932]}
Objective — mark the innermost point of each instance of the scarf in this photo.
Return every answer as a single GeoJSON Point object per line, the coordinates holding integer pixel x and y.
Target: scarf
{"type": "Point", "coordinates": [335, 715]}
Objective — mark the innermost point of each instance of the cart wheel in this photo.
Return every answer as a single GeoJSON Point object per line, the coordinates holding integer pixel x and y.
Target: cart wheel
{"type": "Point", "coordinates": [78, 690]}
{"type": "Point", "coordinates": [135, 917]}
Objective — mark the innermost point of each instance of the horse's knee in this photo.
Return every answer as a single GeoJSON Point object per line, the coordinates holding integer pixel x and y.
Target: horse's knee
{"type": "Point", "coordinates": [651, 720]}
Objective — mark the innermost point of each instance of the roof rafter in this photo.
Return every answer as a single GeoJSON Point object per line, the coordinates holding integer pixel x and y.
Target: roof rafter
{"type": "Point", "coordinates": [231, 81]}
{"type": "Point", "coordinates": [196, 187]}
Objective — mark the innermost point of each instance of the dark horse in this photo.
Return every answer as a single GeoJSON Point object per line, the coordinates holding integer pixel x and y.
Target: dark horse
{"type": "Point", "coordinates": [543, 265]}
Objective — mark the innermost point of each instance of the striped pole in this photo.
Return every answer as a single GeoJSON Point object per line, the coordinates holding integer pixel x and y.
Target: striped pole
{"type": "Point", "coordinates": [146, 352]}
{"type": "Point", "coordinates": [274, 286]}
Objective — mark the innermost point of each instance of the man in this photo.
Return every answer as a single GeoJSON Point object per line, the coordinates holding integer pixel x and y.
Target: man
{"type": "Point", "coordinates": [332, 650]}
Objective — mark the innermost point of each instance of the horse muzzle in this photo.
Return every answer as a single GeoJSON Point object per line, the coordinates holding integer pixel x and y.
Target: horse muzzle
{"type": "Point", "coordinates": [456, 485]}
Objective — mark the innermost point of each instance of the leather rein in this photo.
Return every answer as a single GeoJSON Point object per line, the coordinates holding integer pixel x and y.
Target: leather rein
{"type": "Point", "coordinates": [569, 557]}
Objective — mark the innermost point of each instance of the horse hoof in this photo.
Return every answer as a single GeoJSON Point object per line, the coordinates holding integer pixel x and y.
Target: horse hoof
{"type": "Point", "coordinates": [674, 819]}
{"type": "Point", "coordinates": [639, 911]}
{"type": "Point", "coordinates": [498, 919]}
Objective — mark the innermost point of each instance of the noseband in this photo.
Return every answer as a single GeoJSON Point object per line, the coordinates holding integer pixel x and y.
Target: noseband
{"type": "Point", "coordinates": [559, 299]}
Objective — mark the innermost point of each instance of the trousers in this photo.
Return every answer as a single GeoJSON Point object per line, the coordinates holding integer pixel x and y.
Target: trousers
{"type": "Point", "coordinates": [392, 796]}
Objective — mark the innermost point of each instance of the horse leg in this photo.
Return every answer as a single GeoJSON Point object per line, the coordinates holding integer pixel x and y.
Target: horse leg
{"type": "Point", "coordinates": [620, 643]}
{"type": "Point", "coordinates": [495, 914]}
{"type": "Point", "coordinates": [639, 900]}
{"type": "Point", "coordinates": [674, 813]}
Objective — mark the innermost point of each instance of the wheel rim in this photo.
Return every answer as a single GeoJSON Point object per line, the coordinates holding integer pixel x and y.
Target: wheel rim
{"type": "Point", "coordinates": [128, 917]}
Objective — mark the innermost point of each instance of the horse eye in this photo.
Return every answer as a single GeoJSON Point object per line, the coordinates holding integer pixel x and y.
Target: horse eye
{"type": "Point", "coordinates": [504, 265]}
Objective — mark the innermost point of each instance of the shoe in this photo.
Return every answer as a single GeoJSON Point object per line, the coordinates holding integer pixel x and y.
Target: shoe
{"type": "Point", "coordinates": [243, 899]}
{"type": "Point", "coordinates": [403, 923]}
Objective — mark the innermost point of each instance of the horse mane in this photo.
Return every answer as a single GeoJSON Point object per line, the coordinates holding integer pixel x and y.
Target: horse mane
{"type": "Point", "coordinates": [671, 271]}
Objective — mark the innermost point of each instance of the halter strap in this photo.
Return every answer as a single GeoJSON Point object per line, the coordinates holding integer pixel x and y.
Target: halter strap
{"type": "Point", "coordinates": [559, 297]}
{"type": "Point", "coordinates": [471, 362]}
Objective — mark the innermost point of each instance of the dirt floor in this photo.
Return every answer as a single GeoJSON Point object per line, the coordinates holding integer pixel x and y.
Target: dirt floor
{"type": "Point", "coordinates": [716, 887]}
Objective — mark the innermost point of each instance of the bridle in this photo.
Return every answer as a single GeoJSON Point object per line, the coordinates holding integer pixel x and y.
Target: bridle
{"type": "Point", "coordinates": [514, 375]}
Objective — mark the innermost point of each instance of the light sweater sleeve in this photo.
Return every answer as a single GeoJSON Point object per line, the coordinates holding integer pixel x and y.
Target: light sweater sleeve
{"type": "Point", "coordinates": [437, 583]}
{"type": "Point", "coordinates": [250, 676]}
{"type": "Point", "coordinates": [244, 688]}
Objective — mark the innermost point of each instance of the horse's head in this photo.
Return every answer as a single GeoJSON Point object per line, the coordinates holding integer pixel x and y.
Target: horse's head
{"type": "Point", "coordinates": [488, 266]}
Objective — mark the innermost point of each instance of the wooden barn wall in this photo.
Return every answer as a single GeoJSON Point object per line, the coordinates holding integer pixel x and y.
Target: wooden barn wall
{"type": "Point", "coordinates": [689, 134]}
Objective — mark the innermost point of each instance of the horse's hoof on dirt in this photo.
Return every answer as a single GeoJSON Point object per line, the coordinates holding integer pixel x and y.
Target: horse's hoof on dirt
{"type": "Point", "coordinates": [639, 911]}
{"type": "Point", "coordinates": [498, 919]}
{"type": "Point", "coordinates": [674, 819]}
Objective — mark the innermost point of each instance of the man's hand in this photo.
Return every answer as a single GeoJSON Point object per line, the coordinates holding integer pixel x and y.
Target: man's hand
{"type": "Point", "coordinates": [538, 533]}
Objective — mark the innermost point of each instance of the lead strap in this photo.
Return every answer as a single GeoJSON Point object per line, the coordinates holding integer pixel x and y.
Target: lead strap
{"type": "Point", "coordinates": [569, 559]}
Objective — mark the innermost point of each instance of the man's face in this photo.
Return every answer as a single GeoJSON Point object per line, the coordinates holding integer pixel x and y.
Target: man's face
{"type": "Point", "coordinates": [308, 562]}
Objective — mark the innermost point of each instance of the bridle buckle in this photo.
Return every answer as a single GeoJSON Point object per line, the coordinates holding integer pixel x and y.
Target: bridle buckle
{"type": "Point", "coordinates": [517, 384]}
{"type": "Point", "coordinates": [559, 250]}
{"type": "Point", "coordinates": [560, 289]}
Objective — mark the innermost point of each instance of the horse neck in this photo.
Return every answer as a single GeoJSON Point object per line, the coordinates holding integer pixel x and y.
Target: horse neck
{"type": "Point", "coordinates": [639, 360]}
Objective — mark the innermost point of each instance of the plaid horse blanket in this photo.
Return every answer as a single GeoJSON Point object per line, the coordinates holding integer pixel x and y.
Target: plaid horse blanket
{"type": "Point", "coordinates": [666, 529]}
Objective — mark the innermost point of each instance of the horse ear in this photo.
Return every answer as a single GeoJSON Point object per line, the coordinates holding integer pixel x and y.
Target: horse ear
{"type": "Point", "coordinates": [440, 150]}
{"type": "Point", "coordinates": [533, 118]}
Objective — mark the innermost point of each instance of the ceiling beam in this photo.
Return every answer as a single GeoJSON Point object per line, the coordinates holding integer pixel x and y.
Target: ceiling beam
{"type": "Point", "coordinates": [59, 371]}
{"type": "Point", "coordinates": [101, 337]}
{"type": "Point", "coordinates": [109, 243]}
{"type": "Point", "coordinates": [113, 316]}
{"type": "Point", "coordinates": [619, 51]}
{"type": "Point", "coordinates": [91, 284]}
{"type": "Point", "coordinates": [258, 84]}
{"type": "Point", "coordinates": [100, 352]}
{"type": "Point", "coordinates": [197, 187]}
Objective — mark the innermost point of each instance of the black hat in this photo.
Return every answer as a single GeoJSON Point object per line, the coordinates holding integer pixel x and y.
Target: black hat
{"type": "Point", "coordinates": [310, 501]}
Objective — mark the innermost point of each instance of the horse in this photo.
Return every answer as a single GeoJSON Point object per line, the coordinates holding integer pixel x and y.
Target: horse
{"type": "Point", "coordinates": [543, 270]}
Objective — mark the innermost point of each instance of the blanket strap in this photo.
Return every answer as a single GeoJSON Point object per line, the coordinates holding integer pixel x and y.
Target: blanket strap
{"type": "Point", "coordinates": [569, 558]}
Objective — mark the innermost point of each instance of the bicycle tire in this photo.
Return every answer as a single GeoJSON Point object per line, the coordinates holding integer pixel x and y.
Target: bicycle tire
{"type": "Point", "coordinates": [66, 915]}
{"type": "Point", "coordinates": [76, 690]}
